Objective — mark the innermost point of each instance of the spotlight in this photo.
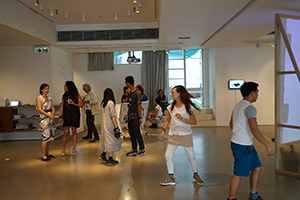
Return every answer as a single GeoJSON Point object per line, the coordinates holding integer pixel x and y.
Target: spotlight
{"type": "Point", "coordinates": [41, 7]}
{"type": "Point", "coordinates": [83, 17]}
{"type": "Point", "coordinates": [272, 45]}
{"type": "Point", "coordinates": [137, 10]}
{"type": "Point", "coordinates": [90, 50]}
{"type": "Point", "coordinates": [37, 2]}
{"type": "Point", "coordinates": [153, 49]}
{"type": "Point", "coordinates": [257, 44]}
{"type": "Point", "coordinates": [140, 4]}
{"type": "Point", "coordinates": [51, 12]}
{"type": "Point", "coordinates": [167, 51]}
{"type": "Point", "coordinates": [66, 15]}
{"type": "Point", "coordinates": [134, 1]}
{"type": "Point", "coordinates": [128, 13]}
{"type": "Point", "coordinates": [116, 16]}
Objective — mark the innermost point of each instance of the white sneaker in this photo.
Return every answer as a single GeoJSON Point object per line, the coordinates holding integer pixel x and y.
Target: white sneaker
{"type": "Point", "coordinates": [168, 181]}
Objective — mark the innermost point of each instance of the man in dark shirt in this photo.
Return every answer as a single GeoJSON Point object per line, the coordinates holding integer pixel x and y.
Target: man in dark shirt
{"type": "Point", "coordinates": [134, 118]}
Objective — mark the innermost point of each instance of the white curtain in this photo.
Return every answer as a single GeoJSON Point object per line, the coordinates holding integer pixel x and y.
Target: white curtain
{"type": "Point", "coordinates": [101, 61]}
{"type": "Point", "coordinates": [154, 74]}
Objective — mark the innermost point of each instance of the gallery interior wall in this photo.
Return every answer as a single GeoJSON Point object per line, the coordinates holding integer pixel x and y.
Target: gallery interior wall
{"type": "Point", "coordinates": [22, 71]}
{"type": "Point", "coordinates": [100, 80]}
{"type": "Point", "coordinates": [250, 64]}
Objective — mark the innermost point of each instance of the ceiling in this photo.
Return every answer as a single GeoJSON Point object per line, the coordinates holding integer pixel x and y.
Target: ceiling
{"type": "Point", "coordinates": [207, 23]}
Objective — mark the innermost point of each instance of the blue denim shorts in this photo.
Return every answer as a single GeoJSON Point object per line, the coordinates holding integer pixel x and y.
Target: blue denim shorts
{"type": "Point", "coordinates": [245, 159]}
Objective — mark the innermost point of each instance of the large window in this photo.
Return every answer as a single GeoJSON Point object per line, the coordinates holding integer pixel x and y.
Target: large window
{"type": "Point", "coordinates": [120, 57]}
{"type": "Point", "coordinates": [185, 68]}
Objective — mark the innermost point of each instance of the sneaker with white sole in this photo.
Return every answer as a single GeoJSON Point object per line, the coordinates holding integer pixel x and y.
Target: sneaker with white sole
{"type": "Point", "coordinates": [132, 152]}
{"type": "Point", "coordinates": [140, 153]}
{"type": "Point", "coordinates": [197, 179]}
{"type": "Point", "coordinates": [168, 181]}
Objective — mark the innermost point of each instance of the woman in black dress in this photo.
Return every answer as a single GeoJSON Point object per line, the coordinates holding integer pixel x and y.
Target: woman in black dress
{"type": "Point", "coordinates": [70, 114]}
{"type": "Point", "coordinates": [163, 100]}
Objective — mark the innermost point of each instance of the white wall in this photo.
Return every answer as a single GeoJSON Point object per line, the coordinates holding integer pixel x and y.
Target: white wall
{"type": "Point", "coordinates": [22, 71]}
{"type": "Point", "coordinates": [250, 64]}
{"type": "Point", "coordinates": [61, 70]}
{"type": "Point", "coordinates": [16, 15]}
{"type": "Point", "coordinates": [100, 80]}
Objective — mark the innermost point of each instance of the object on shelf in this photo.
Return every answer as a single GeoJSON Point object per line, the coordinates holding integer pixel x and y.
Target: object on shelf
{"type": "Point", "coordinates": [4, 101]}
{"type": "Point", "coordinates": [24, 126]}
{"type": "Point", "coordinates": [33, 116]}
{"type": "Point", "coordinates": [19, 116]}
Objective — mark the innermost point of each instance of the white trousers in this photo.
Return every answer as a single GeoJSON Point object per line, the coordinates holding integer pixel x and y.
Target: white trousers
{"type": "Point", "coordinates": [170, 154]}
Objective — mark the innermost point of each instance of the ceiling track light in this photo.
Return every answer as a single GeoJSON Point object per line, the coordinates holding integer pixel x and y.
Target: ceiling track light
{"type": "Point", "coordinates": [83, 17]}
{"type": "Point", "coordinates": [37, 2]}
{"type": "Point", "coordinates": [128, 13]}
{"type": "Point", "coordinates": [153, 49]}
{"type": "Point", "coordinates": [66, 15]}
{"type": "Point", "coordinates": [51, 12]}
{"type": "Point", "coordinates": [137, 10]}
{"type": "Point", "coordinates": [116, 16]}
{"type": "Point", "coordinates": [140, 4]}
{"type": "Point", "coordinates": [258, 44]}
{"type": "Point", "coordinates": [41, 7]}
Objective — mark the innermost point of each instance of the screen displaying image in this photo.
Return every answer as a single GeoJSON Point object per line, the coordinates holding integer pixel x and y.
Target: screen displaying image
{"type": "Point", "coordinates": [14, 103]}
{"type": "Point", "coordinates": [235, 84]}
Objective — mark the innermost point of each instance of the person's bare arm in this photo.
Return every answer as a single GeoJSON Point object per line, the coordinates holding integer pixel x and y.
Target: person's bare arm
{"type": "Point", "coordinates": [259, 136]}
{"type": "Point", "coordinates": [191, 121]}
{"type": "Point", "coordinates": [231, 123]}
{"type": "Point", "coordinates": [166, 124]}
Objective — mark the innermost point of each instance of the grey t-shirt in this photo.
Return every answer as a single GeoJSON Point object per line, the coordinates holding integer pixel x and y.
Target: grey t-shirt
{"type": "Point", "coordinates": [134, 98]}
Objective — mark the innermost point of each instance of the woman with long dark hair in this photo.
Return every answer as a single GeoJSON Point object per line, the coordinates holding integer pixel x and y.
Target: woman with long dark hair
{"type": "Point", "coordinates": [44, 105]}
{"type": "Point", "coordinates": [163, 100]}
{"type": "Point", "coordinates": [144, 96]}
{"type": "Point", "coordinates": [181, 117]}
{"type": "Point", "coordinates": [110, 131]}
{"type": "Point", "coordinates": [70, 114]}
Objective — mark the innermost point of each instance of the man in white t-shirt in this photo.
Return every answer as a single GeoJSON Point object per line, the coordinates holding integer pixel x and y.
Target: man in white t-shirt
{"type": "Point", "coordinates": [244, 126]}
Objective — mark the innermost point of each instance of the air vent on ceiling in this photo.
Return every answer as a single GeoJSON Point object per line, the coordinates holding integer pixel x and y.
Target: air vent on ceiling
{"type": "Point", "coordinates": [127, 34]}
{"type": "Point", "coordinates": [184, 38]}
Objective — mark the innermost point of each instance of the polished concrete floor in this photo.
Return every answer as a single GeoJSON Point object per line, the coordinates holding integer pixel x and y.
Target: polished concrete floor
{"type": "Point", "coordinates": [24, 176]}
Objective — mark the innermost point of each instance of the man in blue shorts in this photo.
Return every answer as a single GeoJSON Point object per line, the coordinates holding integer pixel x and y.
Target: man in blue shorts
{"type": "Point", "coordinates": [244, 126]}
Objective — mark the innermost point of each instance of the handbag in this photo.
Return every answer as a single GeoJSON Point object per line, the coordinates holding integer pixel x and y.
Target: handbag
{"type": "Point", "coordinates": [96, 108]}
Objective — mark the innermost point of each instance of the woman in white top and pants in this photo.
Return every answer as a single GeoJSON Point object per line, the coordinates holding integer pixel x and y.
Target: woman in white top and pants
{"type": "Point", "coordinates": [180, 134]}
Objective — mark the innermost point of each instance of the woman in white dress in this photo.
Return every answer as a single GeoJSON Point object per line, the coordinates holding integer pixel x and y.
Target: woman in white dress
{"type": "Point", "coordinates": [180, 134]}
{"type": "Point", "coordinates": [45, 106]}
{"type": "Point", "coordinates": [110, 132]}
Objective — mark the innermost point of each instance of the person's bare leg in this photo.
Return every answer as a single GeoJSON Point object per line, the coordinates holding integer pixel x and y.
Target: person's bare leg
{"type": "Point", "coordinates": [47, 149]}
{"type": "Point", "coordinates": [74, 137]}
{"type": "Point", "coordinates": [234, 186]}
{"type": "Point", "coordinates": [65, 137]}
{"type": "Point", "coordinates": [44, 144]}
{"type": "Point", "coordinates": [254, 176]}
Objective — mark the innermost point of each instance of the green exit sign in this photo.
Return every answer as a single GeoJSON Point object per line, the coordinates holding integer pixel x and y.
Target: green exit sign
{"type": "Point", "coordinates": [41, 49]}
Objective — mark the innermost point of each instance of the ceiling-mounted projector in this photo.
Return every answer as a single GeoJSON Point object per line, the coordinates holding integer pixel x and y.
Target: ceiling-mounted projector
{"type": "Point", "coordinates": [132, 59]}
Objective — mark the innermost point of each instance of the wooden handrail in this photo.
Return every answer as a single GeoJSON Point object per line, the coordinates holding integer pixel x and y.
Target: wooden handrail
{"type": "Point", "coordinates": [288, 126]}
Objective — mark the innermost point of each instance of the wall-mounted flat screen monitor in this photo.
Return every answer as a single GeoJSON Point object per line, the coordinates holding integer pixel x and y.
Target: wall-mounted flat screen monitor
{"type": "Point", "coordinates": [235, 84]}
{"type": "Point", "coordinates": [14, 103]}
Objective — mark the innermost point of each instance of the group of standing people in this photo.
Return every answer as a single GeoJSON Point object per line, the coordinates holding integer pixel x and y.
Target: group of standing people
{"type": "Point", "coordinates": [180, 117]}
